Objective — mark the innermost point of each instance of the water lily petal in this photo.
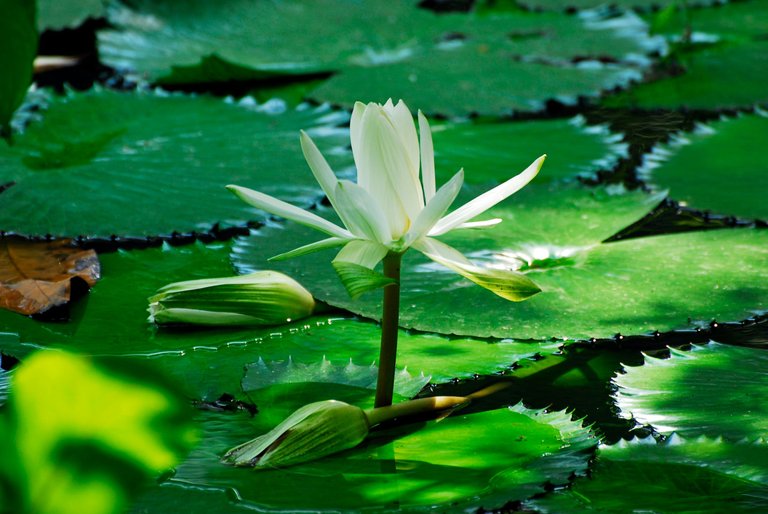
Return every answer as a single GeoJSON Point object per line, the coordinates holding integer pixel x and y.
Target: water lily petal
{"type": "Point", "coordinates": [288, 211]}
{"type": "Point", "coordinates": [403, 121]}
{"type": "Point", "coordinates": [317, 246]}
{"type": "Point", "coordinates": [355, 136]}
{"type": "Point", "coordinates": [427, 158]}
{"type": "Point", "coordinates": [320, 168]}
{"type": "Point", "coordinates": [509, 285]}
{"type": "Point", "coordinates": [480, 224]}
{"type": "Point", "coordinates": [435, 209]}
{"type": "Point", "coordinates": [361, 213]}
{"type": "Point", "coordinates": [487, 200]}
{"type": "Point", "coordinates": [383, 169]}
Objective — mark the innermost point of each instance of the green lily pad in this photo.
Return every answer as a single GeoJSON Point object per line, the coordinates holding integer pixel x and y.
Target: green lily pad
{"type": "Point", "coordinates": [87, 434]}
{"type": "Point", "coordinates": [721, 77]}
{"type": "Point", "coordinates": [105, 163]}
{"type": "Point", "coordinates": [473, 80]}
{"type": "Point", "coordinates": [259, 375]}
{"type": "Point", "coordinates": [716, 167]}
{"type": "Point", "coordinates": [386, 48]}
{"type": "Point", "coordinates": [461, 462]}
{"type": "Point", "coordinates": [557, 5]}
{"type": "Point", "coordinates": [695, 475]}
{"type": "Point", "coordinates": [721, 68]}
{"type": "Point", "coordinates": [66, 14]}
{"type": "Point", "coordinates": [256, 39]}
{"type": "Point", "coordinates": [589, 290]}
{"type": "Point", "coordinates": [494, 152]}
{"type": "Point", "coordinates": [732, 21]}
{"type": "Point", "coordinates": [692, 392]}
{"type": "Point", "coordinates": [442, 358]}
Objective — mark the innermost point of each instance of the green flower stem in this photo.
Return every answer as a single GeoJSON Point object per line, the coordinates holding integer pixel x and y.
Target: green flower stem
{"type": "Point", "coordinates": [422, 405]}
{"type": "Point", "coordinates": [390, 317]}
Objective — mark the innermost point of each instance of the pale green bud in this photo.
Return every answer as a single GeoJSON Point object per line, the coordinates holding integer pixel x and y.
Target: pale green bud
{"type": "Point", "coordinates": [260, 298]}
{"type": "Point", "coordinates": [323, 428]}
{"type": "Point", "coordinates": [313, 431]}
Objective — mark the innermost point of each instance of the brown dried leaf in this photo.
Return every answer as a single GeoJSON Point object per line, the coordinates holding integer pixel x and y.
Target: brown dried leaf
{"type": "Point", "coordinates": [35, 276]}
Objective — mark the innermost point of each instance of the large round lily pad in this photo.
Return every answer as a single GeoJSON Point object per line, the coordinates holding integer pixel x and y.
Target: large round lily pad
{"type": "Point", "coordinates": [721, 70]}
{"type": "Point", "coordinates": [387, 50]}
{"type": "Point", "coordinates": [716, 168]}
{"type": "Point", "coordinates": [105, 163]}
{"type": "Point", "coordinates": [721, 77]}
{"type": "Point", "coordinates": [473, 79]}
{"type": "Point", "coordinates": [589, 289]}
{"type": "Point", "coordinates": [494, 152]}
{"type": "Point", "coordinates": [64, 14]}
{"type": "Point", "coordinates": [462, 462]}
{"type": "Point", "coordinates": [714, 390]}
{"type": "Point", "coordinates": [589, 4]}
{"type": "Point", "coordinates": [706, 476]}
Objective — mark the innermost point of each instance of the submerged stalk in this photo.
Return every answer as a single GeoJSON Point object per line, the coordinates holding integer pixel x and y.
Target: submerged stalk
{"type": "Point", "coordinates": [390, 316]}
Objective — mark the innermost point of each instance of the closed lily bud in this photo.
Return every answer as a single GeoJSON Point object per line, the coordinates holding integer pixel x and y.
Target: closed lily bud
{"type": "Point", "coordinates": [260, 298]}
{"type": "Point", "coordinates": [313, 431]}
{"type": "Point", "coordinates": [327, 427]}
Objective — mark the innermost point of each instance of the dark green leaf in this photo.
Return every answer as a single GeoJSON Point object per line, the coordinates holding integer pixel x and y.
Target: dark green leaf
{"type": "Point", "coordinates": [494, 152]}
{"type": "Point", "coordinates": [66, 14]}
{"type": "Point", "coordinates": [461, 462]}
{"type": "Point", "coordinates": [139, 164]}
{"type": "Point", "coordinates": [716, 168]}
{"type": "Point", "coordinates": [714, 390]}
{"type": "Point", "coordinates": [720, 70]}
{"type": "Point", "coordinates": [706, 476]}
{"type": "Point", "coordinates": [461, 63]}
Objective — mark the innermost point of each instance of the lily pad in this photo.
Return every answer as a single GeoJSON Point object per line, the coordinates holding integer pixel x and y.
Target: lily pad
{"type": "Point", "coordinates": [462, 462]}
{"type": "Point", "coordinates": [692, 393]}
{"type": "Point", "coordinates": [493, 152]}
{"type": "Point", "coordinates": [694, 475]}
{"type": "Point", "coordinates": [105, 163]}
{"type": "Point", "coordinates": [716, 167]}
{"type": "Point", "coordinates": [259, 375]}
{"type": "Point", "coordinates": [737, 21]}
{"type": "Point", "coordinates": [721, 77]}
{"type": "Point", "coordinates": [393, 45]}
{"type": "Point", "coordinates": [589, 289]}
{"type": "Point", "coordinates": [474, 79]}
{"type": "Point", "coordinates": [557, 5]}
{"type": "Point", "coordinates": [721, 70]}
{"type": "Point", "coordinates": [442, 358]}
{"type": "Point", "coordinates": [67, 14]}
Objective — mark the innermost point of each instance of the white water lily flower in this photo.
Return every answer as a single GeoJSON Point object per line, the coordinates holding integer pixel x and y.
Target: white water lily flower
{"type": "Point", "coordinates": [393, 207]}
